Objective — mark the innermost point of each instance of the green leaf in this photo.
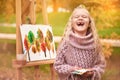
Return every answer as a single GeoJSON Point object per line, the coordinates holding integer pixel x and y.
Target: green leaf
{"type": "Point", "coordinates": [31, 37]}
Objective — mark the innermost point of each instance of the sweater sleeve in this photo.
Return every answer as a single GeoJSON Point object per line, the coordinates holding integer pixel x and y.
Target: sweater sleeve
{"type": "Point", "coordinates": [60, 64]}
{"type": "Point", "coordinates": [99, 67]}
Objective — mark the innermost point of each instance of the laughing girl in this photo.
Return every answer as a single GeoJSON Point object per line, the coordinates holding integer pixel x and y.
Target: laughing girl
{"type": "Point", "coordinates": [79, 55]}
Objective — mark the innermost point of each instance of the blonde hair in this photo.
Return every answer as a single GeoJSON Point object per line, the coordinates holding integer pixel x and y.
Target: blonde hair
{"type": "Point", "coordinates": [91, 26]}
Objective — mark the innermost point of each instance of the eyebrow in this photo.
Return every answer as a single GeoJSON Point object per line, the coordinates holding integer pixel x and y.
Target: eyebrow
{"type": "Point", "coordinates": [80, 15]}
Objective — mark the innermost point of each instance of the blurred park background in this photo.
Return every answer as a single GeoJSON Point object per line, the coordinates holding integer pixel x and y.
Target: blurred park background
{"type": "Point", "coordinates": [106, 14]}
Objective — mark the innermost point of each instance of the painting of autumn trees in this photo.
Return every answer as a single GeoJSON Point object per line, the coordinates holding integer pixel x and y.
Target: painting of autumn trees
{"type": "Point", "coordinates": [38, 42]}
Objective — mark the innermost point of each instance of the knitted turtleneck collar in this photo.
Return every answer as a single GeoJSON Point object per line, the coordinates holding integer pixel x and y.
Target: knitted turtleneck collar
{"type": "Point", "coordinates": [83, 42]}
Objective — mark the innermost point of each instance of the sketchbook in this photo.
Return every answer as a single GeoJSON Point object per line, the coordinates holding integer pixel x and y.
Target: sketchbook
{"type": "Point", "coordinates": [37, 42]}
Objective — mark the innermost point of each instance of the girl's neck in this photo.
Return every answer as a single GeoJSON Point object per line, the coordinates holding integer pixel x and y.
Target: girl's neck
{"type": "Point", "coordinates": [83, 33]}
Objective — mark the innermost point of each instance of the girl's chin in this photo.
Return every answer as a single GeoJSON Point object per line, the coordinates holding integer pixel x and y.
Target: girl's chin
{"type": "Point", "coordinates": [80, 26]}
{"type": "Point", "coordinates": [81, 29]}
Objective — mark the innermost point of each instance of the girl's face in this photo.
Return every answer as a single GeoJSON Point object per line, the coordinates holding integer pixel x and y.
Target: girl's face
{"type": "Point", "coordinates": [80, 20]}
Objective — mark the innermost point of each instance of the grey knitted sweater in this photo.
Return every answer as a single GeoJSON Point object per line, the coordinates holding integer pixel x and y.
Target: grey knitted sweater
{"type": "Point", "coordinates": [78, 51]}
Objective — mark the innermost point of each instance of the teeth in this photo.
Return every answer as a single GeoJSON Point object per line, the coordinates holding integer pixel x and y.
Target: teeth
{"type": "Point", "coordinates": [80, 23]}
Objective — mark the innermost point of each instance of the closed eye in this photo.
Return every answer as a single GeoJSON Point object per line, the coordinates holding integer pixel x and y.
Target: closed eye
{"type": "Point", "coordinates": [84, 16]}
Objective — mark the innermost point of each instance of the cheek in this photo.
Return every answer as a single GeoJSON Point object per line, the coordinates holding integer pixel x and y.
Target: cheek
{"type": "Point", "coordinates": [87, 22]}
{"type": "Point", "coordinates": [73, 22]}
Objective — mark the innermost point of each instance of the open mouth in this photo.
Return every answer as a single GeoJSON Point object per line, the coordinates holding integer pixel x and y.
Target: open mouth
{"type": "Point", "coordinates": [80, 23]}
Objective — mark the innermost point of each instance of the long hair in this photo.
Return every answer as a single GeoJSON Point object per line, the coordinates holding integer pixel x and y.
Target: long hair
{"type": "Point", "coordinates": [91, 26]}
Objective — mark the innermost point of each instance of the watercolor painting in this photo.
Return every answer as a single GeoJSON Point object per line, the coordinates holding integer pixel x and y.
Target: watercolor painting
{"type": "Point", "coordinates": [38, 42]}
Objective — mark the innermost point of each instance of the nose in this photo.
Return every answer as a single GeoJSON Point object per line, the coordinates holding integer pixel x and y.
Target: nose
{"type": "Point", "coordinates": [80, 17]}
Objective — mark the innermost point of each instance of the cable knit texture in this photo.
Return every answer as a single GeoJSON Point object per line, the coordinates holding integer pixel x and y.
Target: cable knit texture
{"type": "Point", "coordinates": [78, 51]}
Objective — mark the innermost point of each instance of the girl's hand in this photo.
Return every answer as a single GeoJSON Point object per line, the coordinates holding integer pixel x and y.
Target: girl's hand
{"type": "Point", "coordinates": [75, 68]}
{"type": "Point", "coordinates": [88, 74]}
